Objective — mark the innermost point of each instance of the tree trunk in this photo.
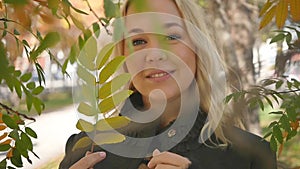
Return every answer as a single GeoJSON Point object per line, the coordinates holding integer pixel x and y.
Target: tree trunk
{"type": "Point", "coordinates": [235, 27]}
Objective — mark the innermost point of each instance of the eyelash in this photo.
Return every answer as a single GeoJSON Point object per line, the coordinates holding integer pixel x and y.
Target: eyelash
{"type": "Point", "coordinates": [137, 42]}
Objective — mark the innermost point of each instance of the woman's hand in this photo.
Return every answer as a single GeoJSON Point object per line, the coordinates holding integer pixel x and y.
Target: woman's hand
{"type": "Point", "coordinates": [168, 160]}
{"type": "Point", "coordinates": [89, 160]}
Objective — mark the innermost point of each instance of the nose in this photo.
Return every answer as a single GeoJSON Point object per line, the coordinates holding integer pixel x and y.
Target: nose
{"type": "Point", "coordinates": [155, 55]}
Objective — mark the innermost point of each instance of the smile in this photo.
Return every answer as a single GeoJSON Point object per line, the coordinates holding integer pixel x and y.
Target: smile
{"type": "Point", "coordinates": [158, 75]}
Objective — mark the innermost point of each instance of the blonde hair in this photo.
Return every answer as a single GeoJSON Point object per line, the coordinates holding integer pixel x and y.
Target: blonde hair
{"type": "Point", "coordinates": [210, 72]}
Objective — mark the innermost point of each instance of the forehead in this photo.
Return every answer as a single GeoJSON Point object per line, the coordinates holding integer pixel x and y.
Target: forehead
{"type": "Point", "coordinates": [160, 6]}
{"type": "Point", "coordinates": [150, 22]}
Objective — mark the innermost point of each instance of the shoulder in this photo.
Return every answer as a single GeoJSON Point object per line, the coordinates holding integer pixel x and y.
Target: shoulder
{"type": "Point", "coordinates": [251, 146]}
{"type": "Point", "coordinates": [73, 156]}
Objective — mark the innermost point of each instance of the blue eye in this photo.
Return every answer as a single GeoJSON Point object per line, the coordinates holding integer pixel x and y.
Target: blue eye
{"type": "Point", "coordinates": [173, 37]}
{"type": "Point", "coordinates": [138, 42]}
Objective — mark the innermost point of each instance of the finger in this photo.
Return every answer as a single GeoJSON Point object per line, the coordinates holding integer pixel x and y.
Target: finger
{"type": "Point", "coordinates": [166, 166]}
{"type": "Point", "coordinates": [169, 158]}
{"type": "Point", "coordinates": [156, 152]}
{"type": "Point", "coordinates": [89, 160]}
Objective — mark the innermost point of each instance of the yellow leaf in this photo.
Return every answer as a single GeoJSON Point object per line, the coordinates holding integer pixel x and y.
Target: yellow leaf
{"type": "Point", "coordinates": [281, 13]}
{"type": "Point", "coordinates": [264, 9]}
{"type": "Point", "coordinates": [104, 54]}
{"type": "Point", "coordinates": [112, 123]}
{"type": "Point", "coordinates": [87, 109]}
{"type": "Point", "coordinates": [9, 154]}
{"type": "Point", "coordinates": [2, 127]}
{"type": "Point", "coordinates": [3, 136]}
{"type": "Point", "coordinates": [84, 125]}
{"type": "Point", "coordinates": [8, 141]}
{"type": "Point", "coordinates": [295, 9]}
{"type": "Point", "coordinates": [114, 85]}
{"type": "Point", "coordinates": [111, 102]}
{"type": "Point", "coordinates": [268, 17]}
{"type": "Point", "coordinates": [110, 68]}
{"type": "Point", "coordinates": [86, 75]}
{"type": "Point", "coordinates": [82, 143]}
{"type": "Point", "coordinates": [108, 138]}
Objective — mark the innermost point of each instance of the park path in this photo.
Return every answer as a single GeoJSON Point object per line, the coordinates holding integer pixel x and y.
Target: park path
{"type": "Point", "coordinates": [53, 130]}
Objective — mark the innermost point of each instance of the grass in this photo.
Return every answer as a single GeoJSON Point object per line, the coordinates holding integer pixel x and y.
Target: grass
{"type": "Point", "coordinates": [52, 100]}
{"type": "Point", "coordinates": [290, 154]}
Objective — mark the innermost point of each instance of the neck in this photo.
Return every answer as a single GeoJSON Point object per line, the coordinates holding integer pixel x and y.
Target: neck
{"type": "Point", "coordinates": [171, 109]}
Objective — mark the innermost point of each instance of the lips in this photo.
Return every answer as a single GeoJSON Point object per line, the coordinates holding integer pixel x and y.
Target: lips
{"type": "Point", "coordinates": [159, 74]}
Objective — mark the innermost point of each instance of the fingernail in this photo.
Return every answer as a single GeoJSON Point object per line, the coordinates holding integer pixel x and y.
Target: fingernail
{"type": "Point", "coordinates": [102, 154]}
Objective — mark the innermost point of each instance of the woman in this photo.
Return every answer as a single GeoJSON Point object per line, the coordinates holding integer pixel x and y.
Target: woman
{"type": "Point", "coordinates": [178, 85]}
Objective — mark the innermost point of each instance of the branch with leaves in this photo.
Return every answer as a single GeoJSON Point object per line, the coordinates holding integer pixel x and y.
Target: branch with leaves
{"type": "Point", "coordinates": [288, 115]}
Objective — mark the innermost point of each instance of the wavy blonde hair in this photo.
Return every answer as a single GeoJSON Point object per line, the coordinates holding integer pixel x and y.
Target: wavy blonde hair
{"type": "Point", "coordinates": [210, 71]}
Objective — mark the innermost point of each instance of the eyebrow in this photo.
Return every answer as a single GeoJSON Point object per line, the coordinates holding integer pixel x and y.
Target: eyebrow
{"type": "Point", "coordinates": [166, 25]}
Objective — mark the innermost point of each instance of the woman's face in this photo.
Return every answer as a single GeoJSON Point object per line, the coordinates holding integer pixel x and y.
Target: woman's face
{"type": "Point", "coordinates": [158, 49]}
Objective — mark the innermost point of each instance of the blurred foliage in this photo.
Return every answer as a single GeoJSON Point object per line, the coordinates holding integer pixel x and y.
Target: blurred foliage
{"type": "Point", "coordinates": [20, 20]}
{"type": "Point", "coordinates": [284, 93]}
{"type": "Point", "coordinates": [287, 19]}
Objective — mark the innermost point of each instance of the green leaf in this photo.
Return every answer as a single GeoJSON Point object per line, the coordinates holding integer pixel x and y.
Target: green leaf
{"type": "Point", "coordinates": [272, 124]}
{"type": "Point", "coordinates": [27, 141]}
{"type": "Point", "coordinates": [261, 104]}
{"type": "Point", "coordinates": [278, 134]}
{"type": "Point", "coordinates": [114, 85]}
{"type": "Point", "coordinates": [111, 102]}
{"type": "Point", "coordinates": [77, 23]}
{"type": "Point", "coordinates": [25, 77]}
{"type": "Point", "coordinates": [9, 122]}
{"type": "Point", "coordinates": [73, 53]}
{"type": "Point", "coordinates": [110, 68]}
{"type": "Point", "coordinates": [3, 163]}
{"type": "Point", "coordinates": [29, 100]}
{"type": "Point", "coordinates": [14, 134]}
{"type": "Point", "coordinates": [30, 132]}
{"type": "Point", "coordinates": [267, 135]}
{"type": "Point", "coordinates": [291, 134]}
{"type": "Point", "coordinates": [285, 122]}
{"type": "Point", "coordinates": [277, 38]}
{"type": "Point", "coordinates": [84, 125]}
{"type": "Point", "coordinates": [82, 143]}
{"type": "Point", "coordinates": [273, 143]}
{"type": "Point", "coordinates": [87, 34]}
{"type": "Point", "coordinates": [228, 98]}
{"type": "Point", "coordinates": [288, 38]}
{"type": "Point", "coordinates": [17, 73]}
{"type": "Point", "coordinates": [53, 5]}
{"type": "Point", "coordinates": [104, 54]}
{"type": "Point", "coordinates": [110, 9]}
{"type": "Point", "coordinates": [88, 53]}
{"type": "Point", "coordinates": [86, 75]}
{"type": "Point", "coordinates": [37, 90]}
{"type": "Point", "coordinates": [279, 84]}
{"type": "Point", "coordinates": [276, 112]}
{"type": "Point", "coordinates": [16, 159]}
{"type": "Point", "coordinates": [269, 101]}
{"type": "Point", "coordinates": [96, 29]}
{"type": "Point", "coordinates": [87, 109]}
{"type": "Point", "coordinates": [38, 105]}
{"type": "Point", "coordinates": [50, 40]}
{"type": "Point", "coordinates": [4, 147]}
{"type": "Point", "coordinates": [16, 32]}
{"type": "Point", "coordinates": [18, 88]}
{"type": "Point", "coordinates": [112, 123]}
{"type": "Point", "coordinates": [109, 138]}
